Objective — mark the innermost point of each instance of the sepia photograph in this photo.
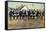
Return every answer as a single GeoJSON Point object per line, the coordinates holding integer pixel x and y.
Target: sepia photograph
{"type": "Point", "coordinates": [26, 15]}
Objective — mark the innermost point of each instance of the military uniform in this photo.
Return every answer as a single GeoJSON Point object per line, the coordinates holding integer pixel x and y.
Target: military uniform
{"type": "Point", "coordinates": [11, 14]}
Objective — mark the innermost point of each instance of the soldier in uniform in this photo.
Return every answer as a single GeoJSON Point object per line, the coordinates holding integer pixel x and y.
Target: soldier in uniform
{"type": "Point", "coordinates": [11, 14]}
{"type": "Point", "coordinates": [28, 14]}
{"type": "Point", "coordinates": [43, 13]}
{"type": "Point", "coordinates": [17, 14]}
{"type": "Point", "coordinates": [31, 13]}
{"type": "Point", "coordinates": [24, 13]}
{"type": "Point", "coordinates": [20, 14]}
{"type": "Point", "coordinates": [38, 14]}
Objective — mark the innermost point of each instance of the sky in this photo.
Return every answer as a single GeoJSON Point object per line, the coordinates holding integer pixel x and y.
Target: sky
{"type": "Point", "coordinates": [28, 5]}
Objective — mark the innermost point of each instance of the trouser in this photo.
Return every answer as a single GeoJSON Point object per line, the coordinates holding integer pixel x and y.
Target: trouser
{"type": "Point", "coordinates": [20, 16]}
{"type": "Point", "coordinates": [28, 16]}
{"type": "Point", "coordinates": [17, 17]}
{"type": "Point", "coordinates": [14, 17]}
{"type": "Point", "coordinates": [10, 17]}
{"type": "Point", "coordinates": [24, 16]}
{"type": "Point", "coordinates": [33, 16]}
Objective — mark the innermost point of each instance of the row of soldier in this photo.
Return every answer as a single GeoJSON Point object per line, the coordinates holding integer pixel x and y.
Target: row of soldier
{"type": "Point", "coordinates": [25, 13]}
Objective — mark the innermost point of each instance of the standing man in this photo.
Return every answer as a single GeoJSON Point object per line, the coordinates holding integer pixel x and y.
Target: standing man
{"type": "Point", "coordinates": [11, 14]}
{"type": "Point", "coordinates": [20, 14]}
{"type": "Point", "coordinates": [28, 14]}
{"type": "Point", "coordinates": [24, 14]}
{"type": "Point", "coordinates": [43, 13]}
{"type": "Point", "coordinates": [17, 14]}
{"type": "Point", "coordinates": [33, 12]}
{"type": "Point", "coordinates": [37, 14]}
{"type": "Point", "coordinates": [14, 15]}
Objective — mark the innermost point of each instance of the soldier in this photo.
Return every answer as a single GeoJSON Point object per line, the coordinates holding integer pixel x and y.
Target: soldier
{"type": "Point", "coordinates": [33, 12]}
{"type": "Point", "coordinates": [38, 14]}
{"type": "Point", "coordinates": [20, 14]}
{"type": "Point", "coordinates": [17, 14]}
{"type": "Point", "coordinates": [11, 14]}
{"type": "Point", "coordinates": [24, 13]}
{"type": "Point", "coordinates": [43, 13]}
{"type": "Point", "coordinates": [28, 14]}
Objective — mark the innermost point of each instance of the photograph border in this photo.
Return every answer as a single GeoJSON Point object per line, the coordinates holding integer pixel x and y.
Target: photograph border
{"type": "Point", "coordinates": [6, 14]}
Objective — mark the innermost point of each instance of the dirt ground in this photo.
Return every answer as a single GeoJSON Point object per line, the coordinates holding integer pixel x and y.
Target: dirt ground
{"type": "Point", "coordinates": [26, 23]}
